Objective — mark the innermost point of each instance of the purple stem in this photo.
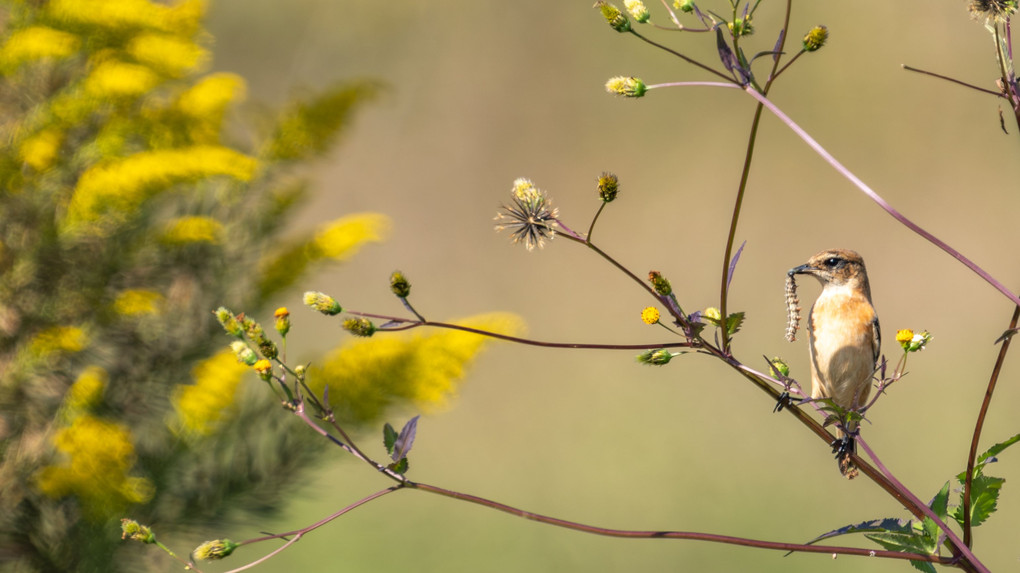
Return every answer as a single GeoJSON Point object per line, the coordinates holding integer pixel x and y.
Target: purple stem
{"type": "Point", "coordinates": [953, 538]}
{"type": "Point", "coordinates": [839, 167]}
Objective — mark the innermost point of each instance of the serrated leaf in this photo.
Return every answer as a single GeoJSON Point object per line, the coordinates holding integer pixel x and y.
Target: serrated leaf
{"type": "Point", "coordinates": [901, 542]}
{"type": "Point", "coordinates": [733, 322]}
{"type": "Point", "coordinates": [404, 442]}
{"type": "Point", "coordinates": [984, 495]}
{"type": "Point", "coordinates": [887, 525]}
{"type": "Point", "coordinates": [930, 532]}
{"type": "Point", "coordinates": [997, 448]}
{"type": "Point", "coordinates": [926, 566]}
{"type": "Point", "coordinates": [940, 503]}
{"type": "Point", "coordinates": [389, 438]}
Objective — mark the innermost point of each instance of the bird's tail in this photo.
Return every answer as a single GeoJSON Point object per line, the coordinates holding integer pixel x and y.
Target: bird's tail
{"type": "Point", "coordinates": [845, 447]}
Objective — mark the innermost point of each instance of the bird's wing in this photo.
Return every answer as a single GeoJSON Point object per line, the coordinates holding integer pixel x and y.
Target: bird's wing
{"type": "Point", "coordinates": [876, 338]}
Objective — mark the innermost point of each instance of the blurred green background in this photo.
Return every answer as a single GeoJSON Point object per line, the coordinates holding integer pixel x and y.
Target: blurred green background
{"type": "Point", "coordinates": [483, 92]}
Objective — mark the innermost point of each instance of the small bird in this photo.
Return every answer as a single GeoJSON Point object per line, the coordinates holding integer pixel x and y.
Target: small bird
{"type": "Point", "coordinates": [843, 338]}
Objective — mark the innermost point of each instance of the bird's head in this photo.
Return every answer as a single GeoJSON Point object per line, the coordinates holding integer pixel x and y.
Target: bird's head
{"type": "Point", "coordinates": [835, 267]}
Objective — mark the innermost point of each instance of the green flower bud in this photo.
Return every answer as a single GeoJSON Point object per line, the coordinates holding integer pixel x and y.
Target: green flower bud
{"type": "Point", "coordinates": [626, 86]}
{"type": "Point", "coordinates": [778, 366]}
{"type": "Point", "coordinates": [609, 187]}
{"type": "Point", "coordinates": [131, 529]}
{"type": "Point", "coordinates": [244, 354]}
{"type": "Point", "coordinates": [655, 357]}
{"type": "Point", "coordinates": [660, 283]}
{"type": "Point", "coordinates": [216, 549]}
{"type": "Point", "coordinates": [637, 10]}
{"type": "Point", "coordinates": [741, 27]}
{"type": "Point", "coordinates": [323, 303]}
{"type": "Point", "coordinates": [617, 20]}
{"type": "Point", "coordinates": [359, 326]}
{"type": "Point", "coordinates": [399, 284]}
{"type": "Point", "coordinates": [816, 38]}
{"type": "Point", "coordinates": [228, 322]}
{"type": "Point", "coordinates": [684, 5]}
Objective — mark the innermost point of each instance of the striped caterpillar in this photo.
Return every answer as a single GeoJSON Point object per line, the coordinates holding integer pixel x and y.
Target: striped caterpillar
{"type": "Point", "coordinates": [792, 309]}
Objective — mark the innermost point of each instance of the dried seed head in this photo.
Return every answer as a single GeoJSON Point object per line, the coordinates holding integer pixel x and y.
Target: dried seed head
{"type": "Point", "coordinates": [792, 309]}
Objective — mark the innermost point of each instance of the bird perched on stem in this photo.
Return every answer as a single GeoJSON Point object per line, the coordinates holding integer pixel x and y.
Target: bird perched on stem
{"type": "Point", "coordinates": [844, 339]}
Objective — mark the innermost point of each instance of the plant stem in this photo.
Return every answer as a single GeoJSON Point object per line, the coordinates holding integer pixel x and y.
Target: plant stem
{"type": "Point", "coordinates": [956, 543]}
{"type": "Point", "coordinates": [690, 535]}
{"type": "Point", "coordinates": [744, 175]}
{"type": "Point", "coordinates": [975, 439]}
{"type": "Point", "coordinates": [299, 533]}
{"type": "Point", "coordinates": [416, 324]}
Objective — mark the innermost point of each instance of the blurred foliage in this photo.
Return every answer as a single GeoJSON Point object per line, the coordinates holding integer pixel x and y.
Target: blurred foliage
{"type": "Point", "coordinates": [368, 375]}
{"type": "Point", "coordinates": [127, 213]}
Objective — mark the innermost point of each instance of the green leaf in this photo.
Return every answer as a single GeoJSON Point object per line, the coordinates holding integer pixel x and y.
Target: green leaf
{"type": "Point", "coordinates": [399, 466]}
{"type": "Point", "coordinates": [926, 566]}
{"type": "Point", "coordinates": [389, 438]}
{"type": "Point", "coordinates": [984, 496]}
{"type": "Point", "coordinates": [887, 525]}
{"type": "Point", "coordinates": [733, 322]}
{"type": "Point", "coordinates": [902, 542]}
{"type": "Point", "coordinates": [984, 491]}
{"type": "Point", "coordinates": [997, 449]}
{"type": "Point", "coordinates": [940, 503]}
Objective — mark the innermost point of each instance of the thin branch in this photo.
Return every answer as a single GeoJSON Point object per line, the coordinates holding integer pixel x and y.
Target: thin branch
{"type": "Point", "coordinates": [685, 58]}
{"type": "Point", "coordinates": [689, 535]}
{"type": "Point", "coordinates": [952, 80]}
{"type": "Point", "coordinates": [976, 438]}
{"type": "Point", "coordinates": [298, 533]}
{"type": "Point", "coordinates": [846, 173]}
{"type": "Point", "coordinates": [414, 323]}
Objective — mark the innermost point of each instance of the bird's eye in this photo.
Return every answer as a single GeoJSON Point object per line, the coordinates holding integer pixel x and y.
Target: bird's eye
{"type": "Point", "coordinates": [833, 262]}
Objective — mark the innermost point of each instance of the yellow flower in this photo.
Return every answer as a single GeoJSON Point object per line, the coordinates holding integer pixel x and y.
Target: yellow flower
{"type": "Point", "coordinates": [713, 315]}
{"type": "Point", "coordinates": [206, 102]}
{"type": "Point", "coordinates": [137, 303]}
{"type": "Point", "coordinates": [36, 43]}
{"type": "Point", "coordinates": [58, 339]}
{"type": "Point", "coordinates": [113, 79]}
{"type": "Point", "coordinates": [264, 369]}
{"type": "Point", "coordinates": [129, 15]}
{"type": "Point", "coordinates": [282, 323]}
{"type": "Point", "coordinates": [200, 406]}
{"type": "Point", "coordinates": [342, 238]}
{"type": "Point", "coordinates": [86, 391]}
{"type": "Point", "coordinates": [904, 336]}
{"type": "Point", "coordinates": [41, 149]}
{"type": "Point", "coordinates": [650, 315]}
{"type": "Point", "coordinates": [99, 454]}
{"type": "Point", "coordinates": [110, 192]}
{"type": "Point", "coordinates": [184, 230]}
{"type": "Point", "coordinates": [168, 54]}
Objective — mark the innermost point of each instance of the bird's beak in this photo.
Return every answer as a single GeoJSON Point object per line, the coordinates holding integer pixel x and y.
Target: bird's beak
{"type": "Point", "coordinates": [803, 269]}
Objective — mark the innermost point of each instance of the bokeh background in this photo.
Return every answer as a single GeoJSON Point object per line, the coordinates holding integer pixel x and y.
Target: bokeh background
{"type": "Point", "coordinates": [480, 93]}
